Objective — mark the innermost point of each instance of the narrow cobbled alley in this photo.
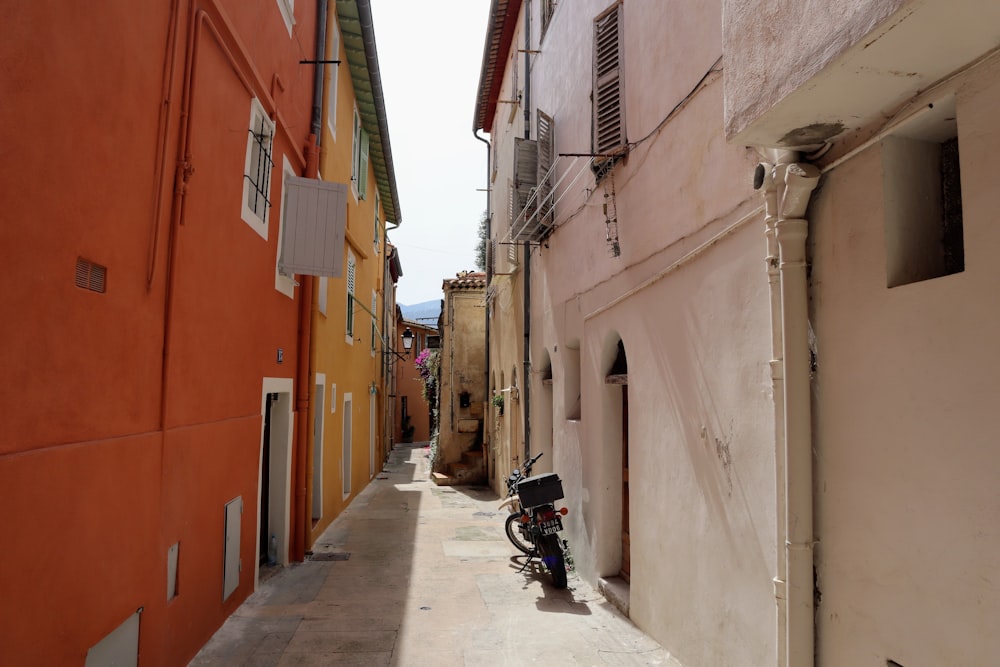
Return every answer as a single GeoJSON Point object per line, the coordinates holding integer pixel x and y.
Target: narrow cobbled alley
{"type": "Point", "coordinates": [415, 574]}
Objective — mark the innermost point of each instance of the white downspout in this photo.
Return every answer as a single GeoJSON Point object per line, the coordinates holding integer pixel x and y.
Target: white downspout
{"type": "Point", "coordinates": [792, 184]}
{"type": "Point", "coordinates": [765, 179]}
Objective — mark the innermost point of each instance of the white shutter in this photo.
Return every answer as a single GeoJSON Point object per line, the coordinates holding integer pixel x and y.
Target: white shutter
{"type": "Point", "coordinates": [315, 218]}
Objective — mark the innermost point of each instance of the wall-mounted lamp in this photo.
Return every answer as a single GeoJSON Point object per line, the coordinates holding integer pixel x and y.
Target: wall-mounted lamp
{"type": "Point", "coordinates": [407, 340]}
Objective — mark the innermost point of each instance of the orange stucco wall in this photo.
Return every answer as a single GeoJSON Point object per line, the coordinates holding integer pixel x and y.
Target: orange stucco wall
{"type": "Point", "coordinates": [348, 365]}
{"type": "Point", "coordinates": [410, 385]}
{"type": "Point", "coordinates": [96, 484]}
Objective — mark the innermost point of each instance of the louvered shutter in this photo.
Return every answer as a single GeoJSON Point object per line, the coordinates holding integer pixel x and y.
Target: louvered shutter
{"type": "Point", "coordinates": [374, 310]}
{"type": "Point", "coordinates": [609, 93]}
{"type": "Point", "coordinates": [363, 166]}
{"type": "Point", "coordinates": [546, 158]}
{"type": "Point", "coordinates": [525, 172]}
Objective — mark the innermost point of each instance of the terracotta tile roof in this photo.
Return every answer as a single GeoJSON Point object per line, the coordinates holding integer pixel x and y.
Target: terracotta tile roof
{"type": "Point", "coordinates": [466, 280]}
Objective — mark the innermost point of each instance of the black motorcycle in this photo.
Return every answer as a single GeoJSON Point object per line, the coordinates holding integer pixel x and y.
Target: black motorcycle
{"type": "Point", "coordinates": [534, 522]}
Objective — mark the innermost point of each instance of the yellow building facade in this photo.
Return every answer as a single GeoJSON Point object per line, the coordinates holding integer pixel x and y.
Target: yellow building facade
{"type": "Point", "coordinates": [349, 363]}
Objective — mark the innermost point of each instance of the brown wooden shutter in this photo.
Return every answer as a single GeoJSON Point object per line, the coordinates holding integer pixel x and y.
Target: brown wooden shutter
{"type": "Point", "coordinates": [609, 93]}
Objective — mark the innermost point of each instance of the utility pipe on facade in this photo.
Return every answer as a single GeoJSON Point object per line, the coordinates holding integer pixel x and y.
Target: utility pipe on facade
{"type": "Point", "coordinates": [793, 184]}
{"type": "Point", "coordinates": [489, 278]}
{"type": "Point", "coordinates": [526, 379]}
{"type": "Point", "coordinates": [184, 169]}
{"type": "Point", "coordinates": [304, 434]}
{"type": "Point", "coordinates": [764, 180]}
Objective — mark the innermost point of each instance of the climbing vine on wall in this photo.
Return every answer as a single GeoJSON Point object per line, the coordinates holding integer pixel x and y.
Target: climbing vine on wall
{"type": "Point", "coordinates": [428, 365]}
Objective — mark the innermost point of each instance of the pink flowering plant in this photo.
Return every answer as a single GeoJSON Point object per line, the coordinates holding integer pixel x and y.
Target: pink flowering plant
{"type": "Point", "coordinates": [428, 364]}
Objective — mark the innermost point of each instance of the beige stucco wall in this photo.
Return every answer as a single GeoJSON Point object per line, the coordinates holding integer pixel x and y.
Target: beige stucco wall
{"type": "Point", "coordinates": [463, 368]}
{"type": "Point", "coordinates": [773, 48]}
{"type": "Point", "coordinates": [507, 367]}
{"type": "Point", "coordinates": [904, 392]}
{"type": "Point", "coordinates": [906, 416]}
{"type": "Point", "coordinates": [695, 332]}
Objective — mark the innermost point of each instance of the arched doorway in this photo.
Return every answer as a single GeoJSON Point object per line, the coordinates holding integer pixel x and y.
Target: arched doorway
{"type": "Point", "coordinates": [618, 377]}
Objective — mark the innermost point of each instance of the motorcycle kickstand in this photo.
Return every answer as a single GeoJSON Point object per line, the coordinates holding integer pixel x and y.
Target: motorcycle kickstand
{"type": "Point", "coordinates": [526, 564]}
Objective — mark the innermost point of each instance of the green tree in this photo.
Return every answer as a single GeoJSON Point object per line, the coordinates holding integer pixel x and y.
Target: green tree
{"type": "Point", "coordinates": [481, 244]}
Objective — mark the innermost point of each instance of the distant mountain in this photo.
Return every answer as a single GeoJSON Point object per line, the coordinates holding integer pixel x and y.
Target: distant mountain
{"type": "Point", "coordinates": [425, 313]}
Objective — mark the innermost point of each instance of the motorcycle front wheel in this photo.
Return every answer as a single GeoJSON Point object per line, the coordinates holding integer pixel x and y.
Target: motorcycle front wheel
{"type": "Point", "coordinates": [513, 529]}
{"type": "Point", "coordinates": [555, 561]}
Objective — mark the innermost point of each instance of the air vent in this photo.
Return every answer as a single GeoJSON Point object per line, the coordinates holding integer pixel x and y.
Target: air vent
{"type": "Point", "coordinates": [91, 276]}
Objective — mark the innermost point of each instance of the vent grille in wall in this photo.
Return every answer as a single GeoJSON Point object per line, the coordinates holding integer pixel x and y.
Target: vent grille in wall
{"type": "Point", "coordinates": [91, 276]}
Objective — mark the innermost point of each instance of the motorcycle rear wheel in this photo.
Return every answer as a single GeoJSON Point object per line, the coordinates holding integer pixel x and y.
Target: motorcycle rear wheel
{"type": "Point", "coordinates": [512, 528]}
{"type": "Point", "coordinates": [555, 561]}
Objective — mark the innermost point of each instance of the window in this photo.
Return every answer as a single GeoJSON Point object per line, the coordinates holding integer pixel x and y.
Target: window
{"type": "Point", "coordinates": [359, 167]}
{"type": "Point", "coordinates": [433, 342]}
{"type": "Point", "coordinates": [374, 328]}
{"type": "Point", "coordinates": [922, 193]}
{"type": "Point", "coordinates": [331, 91]}
{"type": "Point", "coordinates": [547, 8]}
{"type": "Point", "coordinates": [512, 209]}
{"type": "Point", "coordinates": [350, 296]}
{"type": "Point", "coordinates": [287, 9]}
{"type": "Point", "coordinates": [377, 241]}
{"type": "Point", "coordinates": [609, 93]}
{"type": "Point", "coordinates": [257, 170]}
{"type": "Point", "coordinates": [515, 93]}
{"type": "Point", "coordinates": [283, 281]}
{"type": "Point", "coordinates": [324, 284]}
{"type": "Point", "coordinates": [345, 452]}
{"type": "Point", "coordinates": [319, 423]}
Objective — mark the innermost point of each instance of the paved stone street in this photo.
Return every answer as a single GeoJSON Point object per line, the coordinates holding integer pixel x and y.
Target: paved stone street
{"type": "Point", "coordinates": [415, 574]}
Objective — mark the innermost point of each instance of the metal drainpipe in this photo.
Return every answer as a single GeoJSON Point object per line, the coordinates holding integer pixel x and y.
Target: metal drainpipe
{"type": "Point", "coordinates": [526, 380]}
{"type": "Point", "coordinates": [489, 278]}
{"type": "Point", "coordinates": [796, 182]}
{"type": "Point", "coordinates": [305, 435]}
{"type": "Point", "coordinates": [764, 180]}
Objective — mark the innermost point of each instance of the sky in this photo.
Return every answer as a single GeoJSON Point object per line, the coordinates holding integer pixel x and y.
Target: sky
{"type": "Point", "coordinates": [430, 56]}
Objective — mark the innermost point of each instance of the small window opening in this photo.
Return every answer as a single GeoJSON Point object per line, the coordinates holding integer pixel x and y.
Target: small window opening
{"type": "Point", "coordinates": [922, 192]}
{"type": "Point", "coordinates": [618, 374]}
{"type": "Point", "coordinates": [259, 172]}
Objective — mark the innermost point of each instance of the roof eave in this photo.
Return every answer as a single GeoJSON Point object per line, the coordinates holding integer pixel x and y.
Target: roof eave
{"type": "Point", "coordinates": [499, 37]}
{"type": "Point", "coordinates": [357, 28]}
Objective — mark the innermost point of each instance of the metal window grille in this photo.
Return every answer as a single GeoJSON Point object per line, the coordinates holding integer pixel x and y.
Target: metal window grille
{"type": "Point", "coordinates": [259, 172]}
{"type": "Point", "coordinates": [350, 294]}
